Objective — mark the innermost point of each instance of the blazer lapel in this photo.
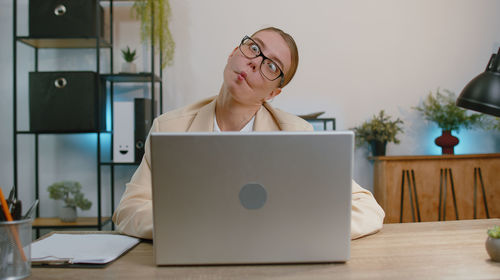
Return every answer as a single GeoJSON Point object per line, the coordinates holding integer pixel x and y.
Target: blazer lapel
{"type": "Point", "coordinates": [265, 121]}
{"type": "Point", "coordinates": [204, 119]}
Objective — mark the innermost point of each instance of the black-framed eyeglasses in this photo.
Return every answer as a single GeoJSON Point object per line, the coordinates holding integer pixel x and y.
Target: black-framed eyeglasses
{"type": "Point", "coordinates": [268, 68]}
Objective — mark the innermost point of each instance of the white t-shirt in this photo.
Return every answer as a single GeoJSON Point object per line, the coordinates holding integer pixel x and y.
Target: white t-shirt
{"type": "Point", "coordinates": [247, 128]}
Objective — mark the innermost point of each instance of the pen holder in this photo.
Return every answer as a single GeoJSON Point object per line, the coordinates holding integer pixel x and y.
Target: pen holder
{"type": "Point", "coordinates": [15, 249]}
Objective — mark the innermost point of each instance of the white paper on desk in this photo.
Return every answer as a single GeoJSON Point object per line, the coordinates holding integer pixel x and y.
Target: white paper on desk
{"type": "Point", "coordinates": [82, 248]}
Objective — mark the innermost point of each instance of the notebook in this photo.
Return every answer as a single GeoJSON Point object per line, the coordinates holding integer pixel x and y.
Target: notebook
{"type": "Point", "coordinates": [75, 248]}
{"type": "Point", "coordinates": [245, 198]}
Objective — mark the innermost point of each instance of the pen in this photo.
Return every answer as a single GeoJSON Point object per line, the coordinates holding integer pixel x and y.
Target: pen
{"type": "Point", "coordinates": [13, 229]}
{"type": "Point", "coordinates": [11, 199]}
{"type": "Point", "coordinates": [2, 216]}
{"type": "Point", "coordinates": [5, 209]}
{"type": "Point", "coordinates": [29, 213]}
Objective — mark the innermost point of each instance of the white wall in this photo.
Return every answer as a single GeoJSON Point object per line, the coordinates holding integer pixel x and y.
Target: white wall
{"type": "Point", "coordinates": [356, 58]}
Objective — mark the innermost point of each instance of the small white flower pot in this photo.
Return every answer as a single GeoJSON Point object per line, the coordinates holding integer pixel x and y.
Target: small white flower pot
{"type": "Point", "coordinates": [67, 214]}
{"type": "Point", "coordinates": [493, 248]}
{"type": "Point", "coordinates": [128, 67]}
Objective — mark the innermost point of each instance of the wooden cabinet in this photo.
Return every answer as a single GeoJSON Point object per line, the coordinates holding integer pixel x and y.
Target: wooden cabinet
{"type": "Point", "coordinates": [429, 180]}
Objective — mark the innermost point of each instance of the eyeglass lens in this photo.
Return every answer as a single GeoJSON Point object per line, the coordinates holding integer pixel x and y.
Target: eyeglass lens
{"type": "Point", "coordinates": [268, 68]}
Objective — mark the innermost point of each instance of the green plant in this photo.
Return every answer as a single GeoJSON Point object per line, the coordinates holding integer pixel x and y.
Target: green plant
{"type": "Point", "coordinates": [128, 55]}
{"type": "Point", "coordinates": [380, 128]}
{"type": "Point", "coordinates": [494, 232]}
{"type": "Point", "coordinates": [492, 123]}
{"type": "Point", "coordinates": [162, 37]}
{"type": "Point", "coordinates": [441, 109]}
{"type": "Point", "coordinates": [70, 193]}
{"type": "Point", "coordinates": [496, 124]}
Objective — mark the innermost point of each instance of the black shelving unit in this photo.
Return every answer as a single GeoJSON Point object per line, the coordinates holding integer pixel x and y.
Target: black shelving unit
{"type": "Point", "coordinates": [144, 77]}
{"type": "Point", "coordinates": [130, 78]}
{"type": "Point", "coordinates": [96, 43]}
{"type": "Point", "coordinates": [66, 43]}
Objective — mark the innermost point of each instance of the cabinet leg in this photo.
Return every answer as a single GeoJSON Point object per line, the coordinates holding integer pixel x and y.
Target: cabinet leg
{"type": "Point", "coordinates": [412, 192]}
{"type": "Point", "coordinates": [477, 173]}
{"type": "Point", "coordinates": [453, 193]}
{"type": "Point", "coordinates": [443, 186]}
{"type": "Point", "coordinates": [445, 190]}
{"type": "Point", "coordinates": [475, 193]}
{"type": "Point", "coordinates": [440, 193]}
{"type": "Point", "coordinates": [402, 196]}
{"type": "Point", "coordinates": [416, 196]}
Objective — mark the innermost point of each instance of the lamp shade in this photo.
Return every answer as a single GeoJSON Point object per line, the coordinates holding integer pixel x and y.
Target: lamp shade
{"type": "Point", "coordinates": [482, 94]}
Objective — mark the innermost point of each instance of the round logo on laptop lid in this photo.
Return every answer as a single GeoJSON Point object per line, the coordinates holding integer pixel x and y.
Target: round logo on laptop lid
{"type": "Point", "coordinates": [253, 196]}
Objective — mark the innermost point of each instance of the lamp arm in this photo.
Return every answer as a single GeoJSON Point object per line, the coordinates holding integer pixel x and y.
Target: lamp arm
{"type": "Point", "coordinates": [494, 62]}
{"type": "Point", "coordinates": [489, 66]}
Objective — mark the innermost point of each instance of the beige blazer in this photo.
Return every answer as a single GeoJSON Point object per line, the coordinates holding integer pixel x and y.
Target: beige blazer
{"type": "Point", "coordinates": [134, 214]}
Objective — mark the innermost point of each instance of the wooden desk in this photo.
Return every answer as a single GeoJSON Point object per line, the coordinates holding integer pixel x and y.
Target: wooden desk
{"type": "Point", "coordinates": [388, 180]}
{"type": "Point", "coordinates": [435, 250]}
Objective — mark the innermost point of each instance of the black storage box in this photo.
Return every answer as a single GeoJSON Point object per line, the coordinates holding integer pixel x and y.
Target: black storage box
{"type": "Point", "coordinates": [64, 18]}
{"type": "Point", "coordinates": [67, 102]}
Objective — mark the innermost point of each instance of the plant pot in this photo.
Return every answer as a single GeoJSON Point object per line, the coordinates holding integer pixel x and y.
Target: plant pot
{"type": "Point", "coordinates": [67, 214]}
{"type": "Point", "coordinates": [493, 248]}
{"type": "Point", "coordinates": [128, 67]}
{"type": "Point", "coordinates": [378, 148]}
{"type": "Point", "coordinates": [447, 142]}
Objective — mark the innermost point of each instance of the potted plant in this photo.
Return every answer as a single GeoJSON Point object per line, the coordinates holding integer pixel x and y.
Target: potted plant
{"type": "Point", "coordinates": [70, 193]}
{"type": "Point", "coordinates": [377, 132]}
{"type": "Point", "coordinates": [441, 109]}
{"type": "Point", "coordinates": [161, 12]}
{"type": "Point", "coordinates": [129, 56]}
{"type": "Point", "coordinates": [493, 243]}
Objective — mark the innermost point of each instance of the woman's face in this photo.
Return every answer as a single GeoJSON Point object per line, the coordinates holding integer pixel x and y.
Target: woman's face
{"type": "Point", "coordinates": [242, 75]}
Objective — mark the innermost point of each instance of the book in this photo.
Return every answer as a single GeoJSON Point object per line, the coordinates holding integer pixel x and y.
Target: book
{"type": "Point", "coordinates": [98, 248]}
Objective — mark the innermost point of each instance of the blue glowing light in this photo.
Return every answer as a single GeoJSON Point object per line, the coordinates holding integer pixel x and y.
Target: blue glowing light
{"type": "Point", "coordinates": [108, 111]}
{"type": "Point", "coordinates": [467, 144]}
{"type": "Point", "coordinates": [433, 149]}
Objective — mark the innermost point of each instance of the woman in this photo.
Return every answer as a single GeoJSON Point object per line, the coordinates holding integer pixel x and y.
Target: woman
{"type": "Point", "coordinates": [255, 72]}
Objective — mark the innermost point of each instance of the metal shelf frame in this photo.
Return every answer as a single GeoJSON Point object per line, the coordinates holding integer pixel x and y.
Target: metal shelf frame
{"type": "Point", "coordinates": [79, 42]}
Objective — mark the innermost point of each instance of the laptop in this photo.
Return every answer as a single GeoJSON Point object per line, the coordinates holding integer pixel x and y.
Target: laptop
{"type": "Point", "coordinates": [251, 198]}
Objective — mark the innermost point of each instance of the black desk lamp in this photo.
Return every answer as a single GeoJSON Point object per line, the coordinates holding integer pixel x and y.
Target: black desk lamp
{"type": "Point", "coordinates": [482, 94]}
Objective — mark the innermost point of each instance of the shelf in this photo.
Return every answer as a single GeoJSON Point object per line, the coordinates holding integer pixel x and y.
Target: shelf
{"type": "Point", "coordinates": [325, 121]}
{"type": "Point", "coordinates": [74, 43]}
{"type": "Point", "coordinates": [62, 132]}
{"type": "Point", "coordinates": [81, 222]}
{"type": "Point", "coordinates": [131, 77]}
{"type": "Point", "coordinates": [117, 3]}
{"type": "Point", "coordinates": [320, 119]}
{"type": "Point", "coordinates": [118, 163]}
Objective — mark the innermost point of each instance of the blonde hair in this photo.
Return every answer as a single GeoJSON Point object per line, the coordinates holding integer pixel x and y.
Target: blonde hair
{"type": "Point", "coordinates": [294, 52]}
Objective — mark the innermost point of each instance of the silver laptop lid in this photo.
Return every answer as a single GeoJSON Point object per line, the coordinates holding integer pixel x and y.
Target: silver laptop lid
{"type": "Point", "coordinates": [275, 197]}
